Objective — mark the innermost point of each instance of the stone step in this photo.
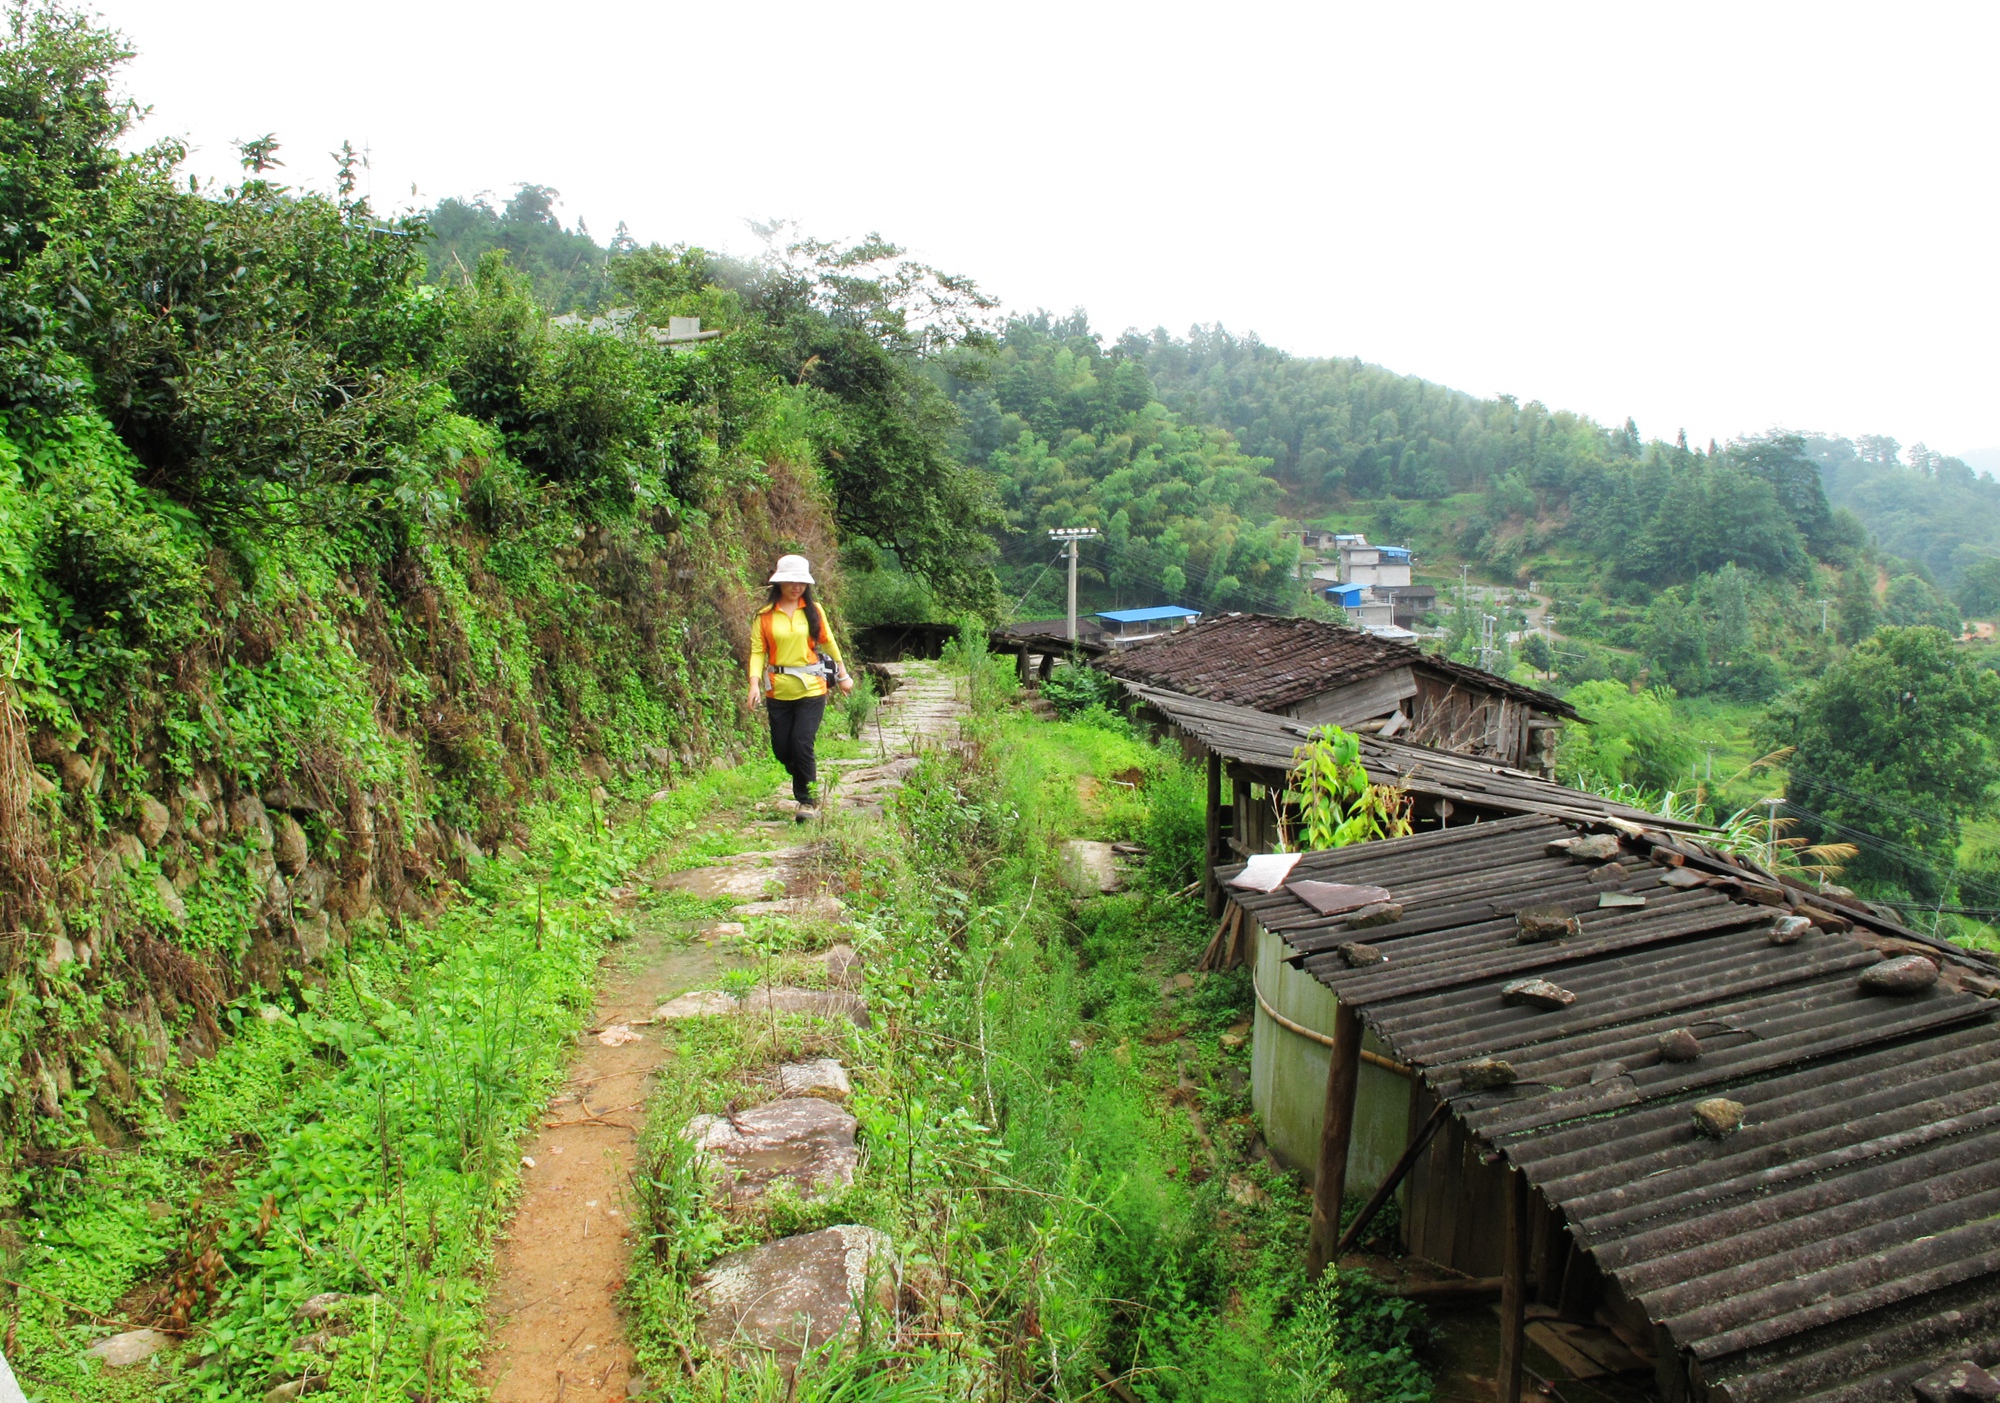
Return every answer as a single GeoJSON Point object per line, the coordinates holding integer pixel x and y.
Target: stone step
{"type": "Point", "coordinates": [830, 1004]}
{"type": "Point", "coordinates": [786, 1296]}
{"type": "Point", "coordinates": [804, 1140]}
{"type": "Point", "coordinates": [821, 1077]}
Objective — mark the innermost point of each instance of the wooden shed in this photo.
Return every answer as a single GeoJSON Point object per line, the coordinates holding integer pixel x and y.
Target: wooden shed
{"type": "Point", "coordinates": [1653, 1086]}
{"type": "Point", "coordinates": [1319, 673]}
{"type": "Point", "coordinates": [1247, 754]}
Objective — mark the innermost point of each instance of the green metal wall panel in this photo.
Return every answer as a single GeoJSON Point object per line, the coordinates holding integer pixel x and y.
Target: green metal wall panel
{"type": "Point", "coordinates": [1288, 1078]}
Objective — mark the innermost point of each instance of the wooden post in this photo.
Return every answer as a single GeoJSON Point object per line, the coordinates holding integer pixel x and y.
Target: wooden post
{"type": "Point", "coordinates": [1396, 1176]}
{"type": "Point", "coordinates": [1243, 824]}
{"type": "Point", "coordinates": [1343, 1072]}
{"type": "Point", "coordinates": [1514, 1288]}
{"type": "Point", "coordinates": [1211, 892]}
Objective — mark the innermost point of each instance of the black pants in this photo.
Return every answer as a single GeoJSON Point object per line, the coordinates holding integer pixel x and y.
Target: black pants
{"type": "Point", "coordinates": [794, 728]}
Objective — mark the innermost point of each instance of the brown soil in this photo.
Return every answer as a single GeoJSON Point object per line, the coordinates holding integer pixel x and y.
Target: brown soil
{"type": "Point", "coordinates": [552, 1316]}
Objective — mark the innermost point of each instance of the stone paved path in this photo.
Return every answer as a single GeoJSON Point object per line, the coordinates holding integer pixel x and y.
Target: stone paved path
{"type": "Point", "coordinates": [554, 1324]}
{"type": "Point", "coordinates": [922, 711]}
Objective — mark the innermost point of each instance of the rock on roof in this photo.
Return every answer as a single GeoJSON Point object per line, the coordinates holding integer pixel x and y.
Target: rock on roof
{"type": "Point", "coordinates": [1268, 662]}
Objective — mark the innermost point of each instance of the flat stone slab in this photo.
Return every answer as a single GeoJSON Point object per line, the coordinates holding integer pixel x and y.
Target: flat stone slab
{"type": "Point", "coordinates": [821, 1003]}
{"type": "Point", "coordinates": [1908, 974]}
{"type": "Point", "coordinates": [132, 1347]}
{"type": "Point", "coordinates": [797, 1292]}
{"type": "Point", "coordinates": [1538, 923]}
{"type": "Point", "coordinates": [1536, 993]}
{"type": "Point", "coordinates": [825, 908]}
{"type": "Point", "coordinates": [1596, 848]}
{"type": "Point", "coordinates": [1088, 866]}
{"type": "Point", "coordinates": [876, 778]}
{"type": "Point", "coordinates": [740, 881]}
{"type": "Point", "coordinates": [822, 1077]}
{"type": "Point", "coordinates": [807, 1140]}
{"type": "Point", "coordinates": [1679, 1045]}
{"type": "Point", "coordinates": [699, 1004]}
{"type": "Point", "coordinates": [1486, 1074]}
{"type": "Point", "coordinates": [1718, 1117]}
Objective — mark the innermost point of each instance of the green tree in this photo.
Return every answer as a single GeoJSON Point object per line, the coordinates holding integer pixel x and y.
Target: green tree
{"type": "Point", "coordinates": [59, 127]}
{"type": "Point", "coordinates": [1859, 615]}
{"type": "Point", "coordinates": [1781, 460]}
{"type": "Point", "coordinates": [1896, 740]}
{"type": "Point", "coordinates": [1979, 589]}
{"type": "Point", "coordinates": [1911, 602]}
{"type": "Point", "coordinates": [1726, 596]}
{"type": "Point", "coordinates": [567, 268]}
{"type": "Point", "coordinates": [1676, 639]}
{"type": "Point", "coordinates": [1630, 737]}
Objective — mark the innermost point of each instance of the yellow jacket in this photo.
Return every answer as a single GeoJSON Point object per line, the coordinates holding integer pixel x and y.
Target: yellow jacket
{"type": "Point", "coordinates": [790, 646]}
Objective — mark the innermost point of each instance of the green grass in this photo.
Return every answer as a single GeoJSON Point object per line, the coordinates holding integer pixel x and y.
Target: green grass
{"type": "Point", "coordinates": [1054, 1209]}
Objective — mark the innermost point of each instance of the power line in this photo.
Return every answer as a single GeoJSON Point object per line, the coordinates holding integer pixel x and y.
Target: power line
{"type": "Point", "coordinates": [1907, 856]}
{"type": "Point", "coordinates": [1132, 560]}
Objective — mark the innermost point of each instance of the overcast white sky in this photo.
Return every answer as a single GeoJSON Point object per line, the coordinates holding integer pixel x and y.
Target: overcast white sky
{"type": "Point", "coordinates": [1719, 217]}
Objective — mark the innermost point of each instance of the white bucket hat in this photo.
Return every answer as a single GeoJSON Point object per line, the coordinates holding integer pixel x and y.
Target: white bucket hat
{"type": "Point", "coordinates": [793, 570]}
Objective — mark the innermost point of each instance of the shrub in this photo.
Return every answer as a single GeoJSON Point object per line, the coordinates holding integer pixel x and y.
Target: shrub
{"type": "Point", "coordinates": [1074, 687]}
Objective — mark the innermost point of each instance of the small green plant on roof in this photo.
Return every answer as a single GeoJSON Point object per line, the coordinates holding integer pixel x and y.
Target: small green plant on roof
{"type": "Point", "coordinates": [1336, 803]}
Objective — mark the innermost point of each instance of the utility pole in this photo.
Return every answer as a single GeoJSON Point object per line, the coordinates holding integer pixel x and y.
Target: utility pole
{"type": "Point", "coordinates": [1071, 535]}
{"type": "Point", "coordinates": [1822, 615]}
{"type": "Point", "coordinates": [1771, 834]}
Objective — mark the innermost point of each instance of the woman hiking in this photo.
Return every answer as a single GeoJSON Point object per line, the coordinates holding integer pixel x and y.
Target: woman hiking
{"type": "Point", "coordinates": [793, 664]}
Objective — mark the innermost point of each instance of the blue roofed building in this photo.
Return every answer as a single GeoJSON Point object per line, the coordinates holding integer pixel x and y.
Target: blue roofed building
{"type": "Point", "coordinates": [1130, 625]}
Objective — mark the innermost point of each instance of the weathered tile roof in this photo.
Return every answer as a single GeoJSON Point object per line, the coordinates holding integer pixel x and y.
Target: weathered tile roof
{"type": "Point", "coordinates": [1265, 741]}
{"type": "Point", "coordinates": [1269, 662]}
{"type": "Point", "coordinates": [1841, 1244]}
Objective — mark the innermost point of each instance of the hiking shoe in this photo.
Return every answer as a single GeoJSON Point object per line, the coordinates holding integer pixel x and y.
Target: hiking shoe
{"type": "Point", "coordinates": [805, 813]}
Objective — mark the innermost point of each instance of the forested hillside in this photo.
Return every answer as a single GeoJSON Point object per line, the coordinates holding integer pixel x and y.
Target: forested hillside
{"type": "Point", "coordinates": [1922, 506]}
{"type": "Point", "coordinates": [1073, 435]}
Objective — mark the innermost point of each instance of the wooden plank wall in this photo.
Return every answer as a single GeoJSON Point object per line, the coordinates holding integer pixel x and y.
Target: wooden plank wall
{"type": "Point", "coordinates": [1454, 1206]}
{"type": "Point", "coordinates": [1453, 716]}
{"type": "Point", "coordinates": [1454, 1214]}
{"type": "Point", "coordinates": [1357, 702]}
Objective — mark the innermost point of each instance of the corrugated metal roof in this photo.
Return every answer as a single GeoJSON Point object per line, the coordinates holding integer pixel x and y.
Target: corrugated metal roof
{"type": "Point", "coordinates": [1845, 1241]}
{"type": "Point", "coordinates": [1141, 616]}
{"type": "Point", "coordinates": [1265, 661]}
{"type": "Point", "coordinates": [1269, 742]}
